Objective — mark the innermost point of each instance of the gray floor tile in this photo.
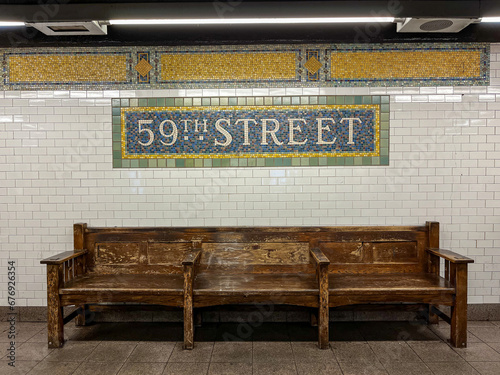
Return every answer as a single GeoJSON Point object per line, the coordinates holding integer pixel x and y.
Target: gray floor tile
{"type": "Point", "coordinates": [32, 351]}
{"type": "Point", "coordinates": [176, 368]}
{"type": "Point", "coordinates": [54, 368]}
{"type": "Point", "coordinates": [152, 352]}
{"type": "Point", "coordinates": [486, 368]}
{"type": "Point", "coordinates": [277, 368]}
{"type": "Point", "coordinates": [452, 368]}
{"type": "Point", "coordinates": [443, 332]}
{"type": "Point", "coordinates": [20, 368]}
{"type": "Point", "coordinates": [98, 368]}
{"type": "Point", "coordinates": [23, 332]}
{"type": "Point", "coordinates": [480, 323]}
{"type": "Point", "coordinates": [393, 351]}
{"type": "Point", "coordinates": [231, 352]}
{"type": "Point", "coordinates": [434, 352]}
{"type": "Point", "coordinates": [111, 351]}
{"type": "Point", "coordinates": [221, 368]}
{"type": "Point", "coordinates": [496, 322]}
{"type": "Point", "coordinates": [486, 334]}
{"type": "Point", "coordinates": [407, 368]}
{"type": "Point", "coordinates": [201, 353]}
{"type": "Point", "coordinates": [311, 368]}
{"type": "Point", "coordinates": [353, 352]}
{"type": "Point", "coordinates": [72, 351]}
{"type": "Point", "coordinates": [495, 346]}
{"type": "Point", "coordinates": [362, 368]}
{"type": "Point", "coordinates": [138, 368]}
{"type": "Point", "coordinates": [272, 351]}
{"type": "Point", "coordinates": [305, 352]}
{"type": "Point", "coordinates": [41, 336]}
{"type": "Point", "coordinates": [478, 352]}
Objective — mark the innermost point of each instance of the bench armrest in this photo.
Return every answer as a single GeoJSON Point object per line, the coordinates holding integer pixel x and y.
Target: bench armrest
{"type": "Point", "coordinates": [450, 255]}
{"type": "Point", "coordinates": [63, 257]}
{"type": "Point", "coordinates": [318, 257]}
{"type": "Point", "coordinates": [192, 258]}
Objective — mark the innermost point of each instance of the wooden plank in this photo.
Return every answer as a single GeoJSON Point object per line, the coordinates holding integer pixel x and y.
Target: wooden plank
{"type": "Point", "coordinates": [458, 336]}
{"type": "Point", "coordinates": [256, 284]}
{"type": "Point", "coordinates": [450, 255]}
{"type": "Point", "coordinates": [393, 252]}
{"type": "Point", "coordinates": [275, 253]}
{"type": "Point", "coordinates": [318, 257]}
{"type": "Point", "coordinates": [344, 252]}
{"type": "Point", "coordinates": [78, 235]}
{"type": "Point", "coordinates": [435, 298]}
{"type": "Point", "coordinates": [188, 306]}
{"type": "Point", "coordinates": [387, 268]}
{"type": "Point", "coordinates": [192, 257]}
{"type": "Point", "coordinates": [385, 284]}
{"type": "Point", "coordinates": [124, 283]}
{"type": "Point", "coordinates": [78, 299]}
{"type": "Point", "coordinates": [55, 324]}
{"type": "Point", "coordinates": [251, 299]}
{"type": "Point", "coordinates": [117, 253]}
{"type": "Point", "coordinates": [323, 315]}
{"type": "Point", "coordinates": [167, 253]}
{"type": "Point", "coordinates": [62, 257]}
{"type": "Point", "coordinates": [137, 269]}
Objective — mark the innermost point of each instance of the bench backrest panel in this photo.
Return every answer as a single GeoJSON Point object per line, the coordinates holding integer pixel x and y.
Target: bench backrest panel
{"type": "Point", "coordinates": [382, 251]}
{"type": "Point", "coordinates": [255, 249]}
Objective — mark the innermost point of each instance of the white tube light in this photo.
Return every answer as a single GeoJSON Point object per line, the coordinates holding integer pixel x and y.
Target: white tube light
{"type": "Point", "coordinates": [490, 19]}
{"type": "Point", "coordinates": [243, 21]}
{"type": "Point", "coordinates": [11, 24]}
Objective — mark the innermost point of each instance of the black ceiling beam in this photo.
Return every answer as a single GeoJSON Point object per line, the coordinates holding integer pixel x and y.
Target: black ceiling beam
{"type": "Point", "coordinates": [194, 9]}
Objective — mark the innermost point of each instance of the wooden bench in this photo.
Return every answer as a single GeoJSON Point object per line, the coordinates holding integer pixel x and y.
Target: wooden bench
{"type": "Point", "coordinates": [372, 265]}
{"type": "Point", "coordinates": [158, 266]}
{"type": "Point", "coordinates": [316, 267]}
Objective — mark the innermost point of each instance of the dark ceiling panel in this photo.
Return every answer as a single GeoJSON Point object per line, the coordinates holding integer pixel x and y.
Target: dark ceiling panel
{"type": "Point", "coordinates": [245, 34]}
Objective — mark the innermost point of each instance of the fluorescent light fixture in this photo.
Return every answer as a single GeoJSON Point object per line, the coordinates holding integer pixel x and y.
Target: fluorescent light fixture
{"type": "Point", "coordinates": [246, 21]}
{"type": "Point", "coordinates": [490, 19]}
{"type": "Point", "coordinates": [10, 24]}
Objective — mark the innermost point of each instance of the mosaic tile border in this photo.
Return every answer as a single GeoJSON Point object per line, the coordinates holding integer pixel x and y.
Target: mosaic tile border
{"type": "Point", "coordinates": [269, 161]}
{"type": "Point", "coordinates": [310, 66]}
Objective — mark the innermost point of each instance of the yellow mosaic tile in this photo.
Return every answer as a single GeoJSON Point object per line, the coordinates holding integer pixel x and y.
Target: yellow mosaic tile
{"type": "Point", "coordinates": [227, 66]}
{"type": "Point", "coordinates": [313, 65]}
{"type": "Point", "coordinates": [68, 68]}
{"type": "Point", "coordinates": [143, 67]}
{"type": "Point", "coordinates": [405, 64]}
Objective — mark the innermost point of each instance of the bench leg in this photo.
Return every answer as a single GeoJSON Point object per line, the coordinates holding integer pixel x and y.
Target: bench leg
{"type": "Point", "coordinates": [83, 318]}
{"type": "Point", "coordinates": [324, 312]}
{"type": "Point", "coordinates": [431, 317]}
{"type": "Point", "coordinates": [458, 336]}
{"type": "Point", "coordinates": [313, 316]}
{"type": "Point", "coordinates": [188, 328]}
{"type": "Point", "coordinates": [188, 308]}
{"type": "Point", "coordinates": [198, 318]}
{"type": "Point", "coordinates": [54, 309]}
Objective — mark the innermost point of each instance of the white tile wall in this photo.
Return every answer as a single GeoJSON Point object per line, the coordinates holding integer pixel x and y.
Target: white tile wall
{"type": "Point", "coordinates": [56, 169]}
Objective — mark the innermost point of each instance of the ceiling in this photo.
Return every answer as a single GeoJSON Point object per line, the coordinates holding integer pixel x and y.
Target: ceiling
{"type": "Point", "coordinates": [373, 32]}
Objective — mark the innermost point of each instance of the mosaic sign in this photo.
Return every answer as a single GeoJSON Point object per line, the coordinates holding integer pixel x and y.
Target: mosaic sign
{"type": "Point", "coordinates": [333, 130]}
{"type": "Point", "coordinates": [250, 66]}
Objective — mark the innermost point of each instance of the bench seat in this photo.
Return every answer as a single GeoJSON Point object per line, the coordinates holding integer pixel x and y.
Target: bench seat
{"type": "Point", "coordinates": [252, 283]}
{"type": "Point", "coordinates": [347, 289]}
{"type": "Point", "coordinates": [127, 283]}
{"type": "Point", "coordinates": [417, 283]}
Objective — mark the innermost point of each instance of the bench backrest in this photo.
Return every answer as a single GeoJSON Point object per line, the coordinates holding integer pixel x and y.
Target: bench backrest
{"type": "Point", "coordinates": [254, 249]}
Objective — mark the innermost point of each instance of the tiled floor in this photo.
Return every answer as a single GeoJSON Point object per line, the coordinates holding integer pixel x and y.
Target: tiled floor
{"type": "Point", "coordinates": [272, 348]}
